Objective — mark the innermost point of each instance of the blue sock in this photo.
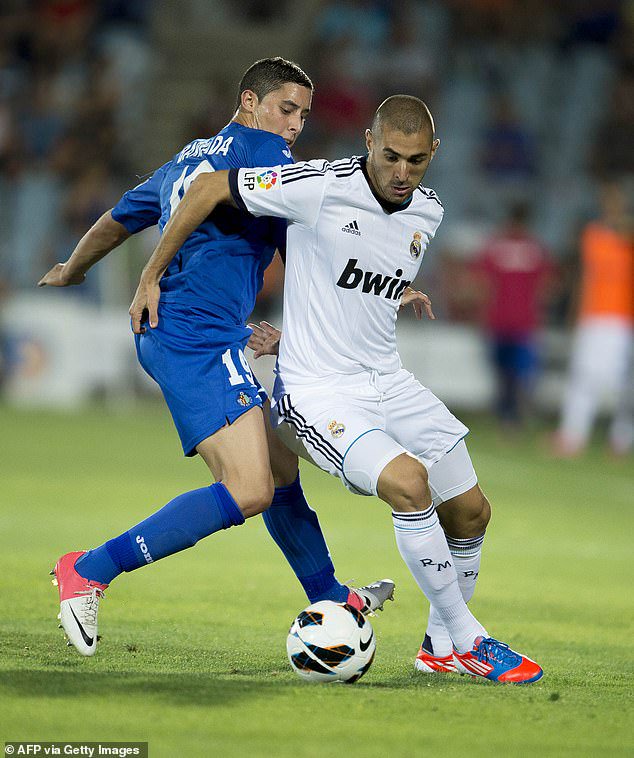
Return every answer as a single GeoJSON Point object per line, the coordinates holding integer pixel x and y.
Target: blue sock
{"type": "Point", "coordinates": [177, 526]}
{"type": "Point", "coordinates": [295, 528]}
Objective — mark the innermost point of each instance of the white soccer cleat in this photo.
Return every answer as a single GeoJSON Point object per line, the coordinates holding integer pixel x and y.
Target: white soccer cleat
{"type": "Point", "coordinates": [371, 597]}
{"type": "Point", "coordinates": [79, 604]}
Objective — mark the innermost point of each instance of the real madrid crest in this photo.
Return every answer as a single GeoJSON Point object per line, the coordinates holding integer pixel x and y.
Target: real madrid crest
{"type": "Point", "coordinates": [244, 399]}
{"type": "Point", "coordinates": [336, 429]}
{"type": "Point", "coordinates": [415, 247]}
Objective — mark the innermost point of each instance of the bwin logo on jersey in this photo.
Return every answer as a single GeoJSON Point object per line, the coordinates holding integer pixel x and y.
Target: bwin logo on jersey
{"type": "Point", "coordinates": [384, 285]}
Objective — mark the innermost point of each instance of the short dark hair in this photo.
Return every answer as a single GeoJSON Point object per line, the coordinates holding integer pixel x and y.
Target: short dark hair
{"type": "Point", "coordinates": [405, 113]}
{"type": "Point", "coordinates": [269, 74]}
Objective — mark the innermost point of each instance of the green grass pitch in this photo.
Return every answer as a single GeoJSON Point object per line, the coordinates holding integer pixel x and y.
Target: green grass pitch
{"type": "Point", "coordinates": [193, 652]}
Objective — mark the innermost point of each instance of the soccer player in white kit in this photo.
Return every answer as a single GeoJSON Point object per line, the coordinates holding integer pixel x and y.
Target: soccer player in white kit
{"type": "Point", "coordinates": [357, 234]}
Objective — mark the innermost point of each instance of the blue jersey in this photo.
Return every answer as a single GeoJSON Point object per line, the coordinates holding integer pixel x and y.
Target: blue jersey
{"type": "Point", "coordinates": [219, 270]}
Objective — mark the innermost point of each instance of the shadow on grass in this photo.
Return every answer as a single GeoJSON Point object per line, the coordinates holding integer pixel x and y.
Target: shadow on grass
{"type": "Point", "coordinates": [206, 689]}
{"type": "Point", "coordinates": [183, 675]}
{"type": "Point", "coordinates": [186, 689]}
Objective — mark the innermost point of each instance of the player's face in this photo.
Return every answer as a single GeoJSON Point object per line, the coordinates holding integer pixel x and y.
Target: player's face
{"type": "Point", "coordinates": [284, 111]}
{"type": "Point", "coordinates": [397, 162]}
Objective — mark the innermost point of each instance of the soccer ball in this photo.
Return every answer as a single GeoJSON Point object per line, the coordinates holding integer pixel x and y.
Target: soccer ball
{"type": "Point", "coordinates": [330, 642]}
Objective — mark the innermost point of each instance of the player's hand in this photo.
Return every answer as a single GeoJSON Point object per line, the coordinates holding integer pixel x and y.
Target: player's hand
{"type": "Point", "coordinates": [146, 300]}
{"type": "Point", "coordinates": [419, 301]}
{"type": "Point", "coordinates": [265, 339]}
{"type": "Point", "coordinates": [59, 276]}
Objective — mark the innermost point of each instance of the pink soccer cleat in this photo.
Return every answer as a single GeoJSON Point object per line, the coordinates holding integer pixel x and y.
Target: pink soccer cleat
{"type": "Point", "coordinates": [79, 603]}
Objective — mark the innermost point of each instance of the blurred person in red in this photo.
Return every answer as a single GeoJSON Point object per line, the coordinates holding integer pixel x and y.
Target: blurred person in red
{"type": "Point", "coordinates": [601, 358]}
{"type": "Point", "coordinates": [513, 272]}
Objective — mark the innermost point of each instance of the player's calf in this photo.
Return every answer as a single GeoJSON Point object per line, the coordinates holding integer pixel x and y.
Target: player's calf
{"type": "Point", "coordinates": [466, 515]}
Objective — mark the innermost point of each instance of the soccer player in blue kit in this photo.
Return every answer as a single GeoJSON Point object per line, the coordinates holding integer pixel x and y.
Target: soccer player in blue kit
{"type": "Point", "coordinates": [195, 353]}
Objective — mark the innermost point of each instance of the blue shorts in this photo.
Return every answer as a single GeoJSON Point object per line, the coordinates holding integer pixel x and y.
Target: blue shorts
{"type": "Point", "coordinates": [201, 370]}
{"type": "Point", "coordinates": [517, 357]}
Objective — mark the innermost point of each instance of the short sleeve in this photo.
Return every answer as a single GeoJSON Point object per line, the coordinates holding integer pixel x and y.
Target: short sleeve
{"type": "Point", "coordinates": [294, 192]}
{"type": "Point", "coordinates": [140, 207]}
{"type": "Point", "coordinates": [272, 152]}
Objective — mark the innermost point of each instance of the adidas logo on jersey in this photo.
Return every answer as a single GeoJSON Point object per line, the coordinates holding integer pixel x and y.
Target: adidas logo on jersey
{"type": "Point", "coordinates": [384, 285]}
{"type": "Point", "coordinates": [351, 228]}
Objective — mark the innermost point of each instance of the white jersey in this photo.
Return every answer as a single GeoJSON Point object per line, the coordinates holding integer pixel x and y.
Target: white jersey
{"type": "Point", "coordinates": [348, 262]}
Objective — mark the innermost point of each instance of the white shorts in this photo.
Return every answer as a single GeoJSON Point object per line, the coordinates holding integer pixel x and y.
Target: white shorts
{"type": "Point", "coordinates": [354, 429]}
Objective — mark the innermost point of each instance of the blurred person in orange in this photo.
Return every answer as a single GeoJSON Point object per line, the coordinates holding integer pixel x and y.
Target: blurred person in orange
{"type": "Point", "coordinates": [600, 363]}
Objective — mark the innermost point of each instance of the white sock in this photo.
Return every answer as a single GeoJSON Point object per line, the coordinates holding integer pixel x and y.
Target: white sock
{"type": "Point", "coordinates": [466, 556]}
{"type": "Point", "coordinates": [423, 546]}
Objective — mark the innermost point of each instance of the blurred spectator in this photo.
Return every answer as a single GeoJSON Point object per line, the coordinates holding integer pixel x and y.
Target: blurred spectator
{"type": "Point", "coordinates": [406, 63]}
{"type": "Point", "coordinates": [513, 273]}
{"type": "Point", "coordinates": [615, 145]}
{"type": "Point", "coordinates": [90, 195]}
{"type": "Point", "coordinates": [257, 11]}
{"type": "Point", "coordinates": [71, 76]}
{"type": "Point", "coordinates": [601, 359]}
{"type": "Point", "coordinates": [343, 106]}
{"type": "Point", "coordinates": [593, 22]}
{"type": "Point", "coordinates": [365, 22]}
{"type": "Point", "coordinates": [217, 109]}
{"type": "Point", "coordinates": [508, 146]}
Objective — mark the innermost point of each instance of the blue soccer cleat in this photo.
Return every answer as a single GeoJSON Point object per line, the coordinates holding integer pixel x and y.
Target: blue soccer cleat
{"type": "Point", "coordinates": [493, 660]}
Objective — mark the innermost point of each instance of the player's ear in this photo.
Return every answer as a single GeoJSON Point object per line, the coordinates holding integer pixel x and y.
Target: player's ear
{"type": "Point", "coordinates": [249, 101]}
{"type": "Point", "coordinates": [369, 139]}
{"type": "Point", "coordinates": [434, 146]}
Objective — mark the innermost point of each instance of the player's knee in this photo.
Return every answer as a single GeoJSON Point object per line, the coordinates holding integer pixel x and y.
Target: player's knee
{"type": "Point", "coordinates": [484, 515]}
{"type": "Point", "coordinates": [466, 515]}
{"type": "Point", "coordinates": [476, 514]}
{"type": "Point", "coordinates": [255, 496]}
{"type": "Point", "coordinates": [404, 484]}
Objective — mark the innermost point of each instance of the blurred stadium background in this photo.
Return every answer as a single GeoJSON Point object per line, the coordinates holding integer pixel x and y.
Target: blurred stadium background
{"type": "Point", "coordinates": [533, 100]}
{"type": "Point", "coordinates": [534, 104]}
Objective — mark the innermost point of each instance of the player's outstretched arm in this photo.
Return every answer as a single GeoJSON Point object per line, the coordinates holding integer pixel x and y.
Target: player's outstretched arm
{"type": "Point", "coordinates": [102, 237]}
{"type": "Point", "coordinates": [419, 301]}
{"type": "Point", "coordinates": [203, 195]}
